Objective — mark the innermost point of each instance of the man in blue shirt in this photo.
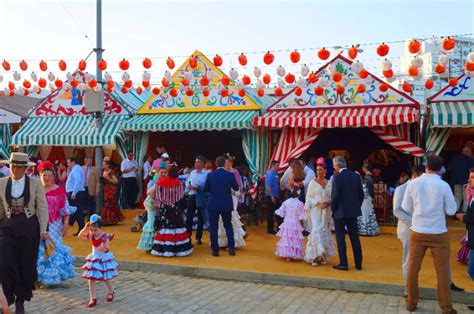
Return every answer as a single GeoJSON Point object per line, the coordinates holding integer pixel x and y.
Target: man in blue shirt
{"type": "Point", "coordinates": [76, 194]}
{"type": "Point", "coordinates": [272, 194]}
{"type": "Point", "coordinates": [194, 184]}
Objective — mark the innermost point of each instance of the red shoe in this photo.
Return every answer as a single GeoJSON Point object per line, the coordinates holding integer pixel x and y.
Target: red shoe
{"type": "Point", "coordinates": [110, 296]}
{"type": "Point", "coordinates": [92, 303]}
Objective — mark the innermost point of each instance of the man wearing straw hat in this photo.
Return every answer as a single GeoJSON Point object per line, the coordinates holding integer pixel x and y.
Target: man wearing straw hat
{"type": "Point", "coordinates": [23, 221]}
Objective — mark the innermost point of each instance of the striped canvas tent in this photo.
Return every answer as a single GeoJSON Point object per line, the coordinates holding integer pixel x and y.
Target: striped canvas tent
{"type": "Point", "coordinates": [5, 140]}
{"type": "Point", "coordinates": [451, 108]}
{"type": "Point", "coordinates": [386, 111]}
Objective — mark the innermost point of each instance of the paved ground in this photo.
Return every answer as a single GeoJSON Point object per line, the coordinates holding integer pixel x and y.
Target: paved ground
{"type": "Point", "coordinates": [141, 292]}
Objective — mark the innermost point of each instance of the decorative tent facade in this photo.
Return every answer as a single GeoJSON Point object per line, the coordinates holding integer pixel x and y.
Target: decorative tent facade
{"type": "Point", "coordinates": [61, 120]}
{"type": "Point", "coordinates": [191, 109]}
{"type": "Point", "coordinates": [389, 114]}
{"type": "Point", "coordinates": [451, 110]}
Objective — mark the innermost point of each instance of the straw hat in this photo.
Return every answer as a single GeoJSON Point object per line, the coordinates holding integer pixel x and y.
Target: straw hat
{"type": "Point", "coordinates": [19, 159]}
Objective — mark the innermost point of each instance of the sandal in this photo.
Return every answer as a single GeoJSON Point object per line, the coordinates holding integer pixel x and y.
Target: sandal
{"type": "Point", "coordinates": [110, 296]}
{"type": "Point", "coordinates": [92, 303]}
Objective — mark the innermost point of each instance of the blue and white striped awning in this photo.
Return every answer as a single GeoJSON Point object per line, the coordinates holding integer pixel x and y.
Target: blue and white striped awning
{"type": "Point", "coordinates": [70, 131]}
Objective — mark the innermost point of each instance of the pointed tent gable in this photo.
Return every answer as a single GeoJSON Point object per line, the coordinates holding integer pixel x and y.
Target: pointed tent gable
{"type": "Point", "coordinates": [351, 98]}
{"type": "Point", "coordinates": [65, 103]}
{"type": "Point", "coordinates": [165, 103]}
{"type": "Point", "coordinates": [462, 92]}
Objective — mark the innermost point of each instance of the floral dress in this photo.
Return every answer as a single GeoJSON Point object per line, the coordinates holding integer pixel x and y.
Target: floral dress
{"type": "Point", "coordinates": [58, 267]}
{"type": "Point", "coordinates": [111, 213]}
{"type": "Point", "coordinates": [99, 265]}
{"type": "Point", "coordinates": [290, 231]}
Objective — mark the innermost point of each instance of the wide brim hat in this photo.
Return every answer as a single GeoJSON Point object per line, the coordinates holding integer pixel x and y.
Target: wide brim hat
{"type": "Point", "coordinates": [19, 159]}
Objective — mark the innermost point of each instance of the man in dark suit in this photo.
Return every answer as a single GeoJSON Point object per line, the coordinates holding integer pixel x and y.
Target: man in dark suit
{"type": "Point", "coordinates": [346, 201]}
{"type": "Point", "coordinates": [219, 184]}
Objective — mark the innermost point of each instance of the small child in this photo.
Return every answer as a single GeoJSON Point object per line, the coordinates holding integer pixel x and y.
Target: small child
{"type": "Point", "coordinates": [100, 264]}
{"type": "Point", "coordinates": [3, 302]}
{"type": "Point", "coordinates": [290, 231]}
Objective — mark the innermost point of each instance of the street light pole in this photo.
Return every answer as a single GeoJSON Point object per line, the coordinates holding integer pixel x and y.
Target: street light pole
{"type": "Point", "coordinates": [98, 114]}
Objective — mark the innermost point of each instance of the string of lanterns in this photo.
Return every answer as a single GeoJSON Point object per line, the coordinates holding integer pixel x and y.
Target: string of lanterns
{"type": "Point", "coordinates": [414, 71]}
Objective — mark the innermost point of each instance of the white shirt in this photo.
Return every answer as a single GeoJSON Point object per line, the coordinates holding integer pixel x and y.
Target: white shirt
{"type": "Point", "coordinates": [430, 199]}
{"type": "Point", "coordinates": [146, 169]}
{"type": "Point", "coordinates": [404, 218]}
{"type": "Point", "coordinates": [127, 164]}
{"type": "Point", "coordinates": [309, 176]}
{"type": "Point", "coordinates": [5, 170]}
{"type": "Point", "coordinates": [18, 186]}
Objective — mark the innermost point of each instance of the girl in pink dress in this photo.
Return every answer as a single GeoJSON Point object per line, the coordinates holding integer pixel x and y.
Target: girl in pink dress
{"type": "Point", "coordinates": [290, 231]}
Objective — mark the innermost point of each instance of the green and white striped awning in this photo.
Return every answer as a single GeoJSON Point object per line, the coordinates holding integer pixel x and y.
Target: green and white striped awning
{"type": "Point", "coordinates": [458, 114]}
{"type": "Point", "coordinates": [70, 131]}
{"type": "Point", "coordinates": [192, 121]}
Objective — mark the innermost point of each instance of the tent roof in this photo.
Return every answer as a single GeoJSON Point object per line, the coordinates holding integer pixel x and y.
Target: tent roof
{"type": "Point", "coordinates": [17, 104]}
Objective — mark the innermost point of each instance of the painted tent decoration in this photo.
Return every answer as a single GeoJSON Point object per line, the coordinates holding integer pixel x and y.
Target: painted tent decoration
{"type": "Point", "coordinates": [351, 97]}
{"type": "Point", "coordinates": [165, 103]}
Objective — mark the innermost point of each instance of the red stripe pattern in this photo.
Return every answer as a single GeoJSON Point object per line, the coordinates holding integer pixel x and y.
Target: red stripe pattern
{"type": "Point", "coordinates": [293, 143]}
{"type": "Point", "coordinates": [339, 117]}
{"type": "Point", "coordinates": [398, 136]}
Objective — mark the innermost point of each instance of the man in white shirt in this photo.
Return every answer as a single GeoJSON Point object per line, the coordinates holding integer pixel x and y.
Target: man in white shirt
{"type": "Point", "coordinates": [130, 184]}
{"type": "Point", "coordinates": [76, 194]}
{"type": "Point", "coordinates": [404, 220]}
{"type": "Point", "coordinates": [430, 199]}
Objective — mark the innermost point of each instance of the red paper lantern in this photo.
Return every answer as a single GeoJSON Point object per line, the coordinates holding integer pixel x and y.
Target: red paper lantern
{"type": "Point", "coordinates": [260, 92]}
{"type": "Point", "coordinates": [139, 90]}
{"type": "Point", "coordinates": [170, 63]}
{"type": "Point", "coordinates": [11, 94]}
{"type": "Point", "coordinates": [217, 61]}
{"type": "Point", "coordinates": [147, 63]}
{"type": "Point", "coordinates": [241, 93]}
{"type": "Point", "coordinates": [11, 85]}
{"type": "Point", "coordinates": [414, 46]}
{"type": "Point", "coordinates": [205, 92]}
{"type": "Point", "coordinates": [225, 80]}
{"type": "Point", "coordinates": [124, 90]}
{"type": "Point", "coordinates": [204, 81]}
{"type": "Point", "coordinates": [128, 84]}
{"type": "Point", "coordinates": [62, 65]}
{"type": "Point", "coordinates": [42, 83]}
{"type": "Point", "coordinates": [110, 89]}
{"type": "Point", "coordinates": [429, 84]}
{"type": "Point", "coordinates": [26, 84]}
{"type": "Point", "coordinates": [146, 84]}
{"type": "Point", "coordinates": [413, 71]}
{"type": "Point", "coordinates": [43, 65]}
{"type": "Point", "coordinates": [102, 64]}
{"type": "Point", "coordinates": [6, 65]}
{"type": "Point", "coordinates": [440, 69]}
{"type": "Point", "coordinates": [124, 65]}
{"type": "Point", "coordinates": [184, 82]}
{"type": "Point", "coordinates": [189, 92]}
{"type": "Point", "coordinates": [449, 43]}
{"type": "Point", "coordinates": [383, 87]}
{"type": "Point", "coordinates": [289, 78]}
{"type": "Point", "coordinates": [313, 78]}
{"type": "Point", "coordinates": [295, 56]}
{"type": "Point", "coordinates": [267, 79]}
{"type": "Point", "coordinates": [337, 77]}
{"type": "Point", "coordinates": [165, 83]}
{"type": "Point", "coordinates": [323, 54]}
{"type": "Point", "coordinates": [298, 91]}
{"type": "Point", "coordinates": [268, 58]}
{"type": "Point", "coordinates": [453, 82]}
{"type": "Point", "coordinates": [388, 73]}
{"type": "Point", "coordinates": [383, 49]}
{"type": "Point", "coordinates": [363, 74]}
{"type": "Point", "coordinates": [319, 91]}
{"type": "Point", "coordinates": [278, 91]}
{"type": "Point", "coordinates": [92, 83]}
{"type": "Point", "coordinates": [23, 65]}
{"type": "Point", "coordinates": [352, 52]}
{"type": "Point", "coordinates": [110, 83]}
{"type": "Point", "coordinates": [58, 83]}
{"type": "Point", "coordinates": [246, 80]}
{"type": "Point", "coordinates": [82, 65]}
{"type": "Point", "coordinates": [224, 93]}
{"type": "Point", "coordinates": [361, 89]}
{"type": "Point", "coordinates": [193, 62]}
{"type": "Point", "coordinates": [242, 59]}
{"type": "Point", "coordinates": [26, 92]}
{"type": "Point", "coordinates": [38, 91]}
{"type": "Point", "coordinates": [155, 90]}
{"type": "Point", "coordinates": [469, 66]}
{"type": "Point", "coordinates": [74, 83]}
{"type": "Point", "coordinates": [340, 90]}
{"type": "Point", "coordinates": [406, 87]}
{"type": "Point", "coordinates": [173, 92]}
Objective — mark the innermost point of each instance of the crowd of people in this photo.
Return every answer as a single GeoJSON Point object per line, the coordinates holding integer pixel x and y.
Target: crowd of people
{"type": "Point", "coordinates": [311, 198]}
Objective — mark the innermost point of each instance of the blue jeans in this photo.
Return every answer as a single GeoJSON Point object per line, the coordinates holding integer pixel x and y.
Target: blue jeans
{"type": "Point", "coordinates": [470, 267]}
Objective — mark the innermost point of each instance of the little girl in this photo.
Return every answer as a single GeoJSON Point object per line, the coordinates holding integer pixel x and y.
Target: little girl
{"type": "Point", "coordinates": [290, 231]}
{"type": "Point", "coordinates": [100, 264]}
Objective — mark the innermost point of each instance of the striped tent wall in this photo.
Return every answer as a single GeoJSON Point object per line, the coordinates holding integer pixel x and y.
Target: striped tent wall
{"type": "Point", "coordinates": [255, 146]}
{"type": "Point", "coordinates": [437, 138]}
{"type": "Point", "coordinates": [398, 136]}
{"type": "Point", "coordinates": [5, 140]}
{"type": "Point", "coordinates": [449, 114]}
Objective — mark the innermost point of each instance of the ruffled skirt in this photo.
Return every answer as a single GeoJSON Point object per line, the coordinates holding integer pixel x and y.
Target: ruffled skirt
{"type": "Point", "coordinates": [148, 232]}
{"type": "Point", "coordinates": [56, 268]}
{"type": "Point", "coordinates": [320, 245]}
{"type": "Point", "coordinates": [239, 232]}
{"type": "Point", "coordinates": [368, 225]}
{"type": "Point", "coordinates": [100, 266]}
{"type": "Point", "coordinates": [291, 237]}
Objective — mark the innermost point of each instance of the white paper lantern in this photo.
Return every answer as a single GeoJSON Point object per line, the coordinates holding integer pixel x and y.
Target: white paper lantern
{"type": "Point", "coordinates": [239, 85]}
{"type": "Point", "coordinates": [34, 76]}
{"type": "Point", "coordinates": [386, 64]}
{"type": "Point", "coordinates": [167, 76]}
{"type": "Point", "coordinates": [470, 57]}
{"type": "Point", "coordinates": [233, 74]}
{"type": "Point", "coordinates": [146, 76]}
{"type": "Point", "coordinates": [211, 74]}
{"type": "Point", "coordinates": [304, 70]}
{"type": "Point", "coordinates": [281, 71]}
{"type": "Point", "coordinates": [188, 75]}
{"type": "Point", "coordinates": [125, 76]}
{"type": "Point", "coordinates": [257, 72]}
{"type": "Point", "coordinates": [6, 91]}
{"type": "Point", "coordinates": [219, 86]}
{"type": "Point", "coordinates": [66, 86]}
{"type": "Point", "coordinates": [419, 76]}
{"type": "Point", "coordinates": [36, 89]}
{"type": "Point", "coordinates": [332, 69]}
{"type": "Point", "coordinates": [357, 66]}
{"type": "Point", "coordinates": [52, 87]}
{"type": "Point", "coordinates": [260, 84]}
{"type": "Point", "coordinates": [301, 82]}
{"type": "Point", "coordinates": [69, 76]}
{"type": "Point", "coordinates": [323, 82]}
{"type": "Point", "coordinates": [98, 88]}
{"type": "Point", "coordinates": [281, 83]}
{"type": "Point", "coordinates": [16, 76]}
{"type": "Point", "coordinates": [108, 76]}
{"type": "Point", "coordinates": [417, 62]}
{"type": "Point", "coordinates": [51, 77]}
{"type": "Point", "coordinates": [443, 60]}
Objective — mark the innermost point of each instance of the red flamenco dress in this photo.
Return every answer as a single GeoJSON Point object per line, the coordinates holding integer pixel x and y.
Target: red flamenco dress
{"type": "Point", "coordinates": [111, 213]}
{"type": "Point", "coordinates": [172, 238]}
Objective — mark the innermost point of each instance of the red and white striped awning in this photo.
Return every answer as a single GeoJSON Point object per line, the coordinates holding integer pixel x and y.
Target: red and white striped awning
{"type": "Point", "coordinates": [367, 116]}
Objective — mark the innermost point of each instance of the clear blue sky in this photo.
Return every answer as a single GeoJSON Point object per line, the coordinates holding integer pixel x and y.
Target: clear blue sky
{"type": "Point", "coordinates": [55, 29]}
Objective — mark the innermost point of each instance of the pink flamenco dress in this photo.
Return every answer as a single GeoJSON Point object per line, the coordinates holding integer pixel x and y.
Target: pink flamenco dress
{"type": "Point", "coordinates": [291, 231]}
{"type": "Point", "coordinates": [99, 265]}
